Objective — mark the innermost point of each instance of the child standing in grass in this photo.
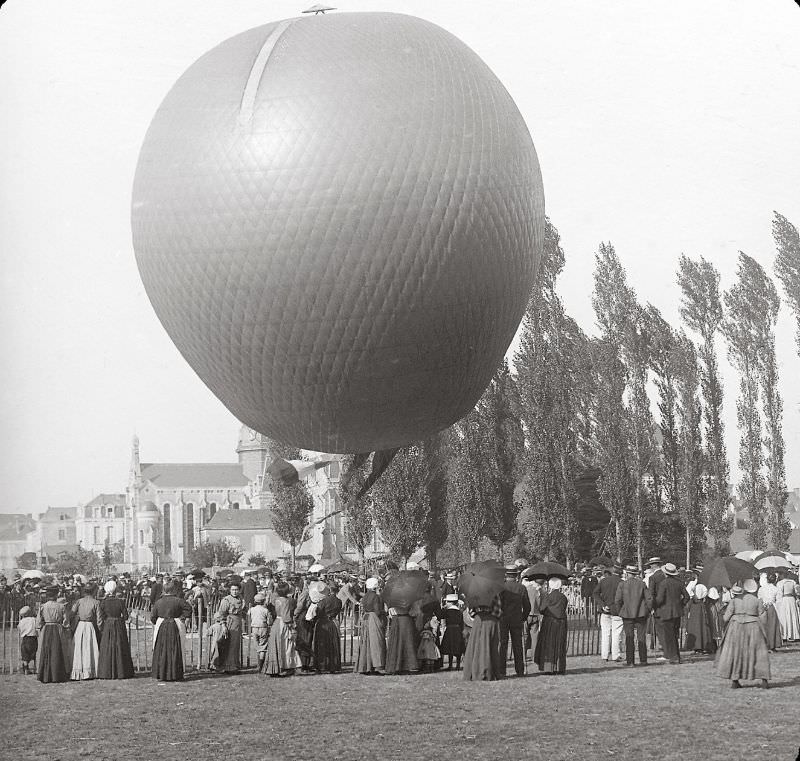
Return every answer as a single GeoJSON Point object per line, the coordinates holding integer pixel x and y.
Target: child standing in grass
{"type": "Point", "coordinates": [28, 643]}
{"type": "Point", "coordinates": [427, 652]}
{"type": "Point", "coordinates": [219, 636]}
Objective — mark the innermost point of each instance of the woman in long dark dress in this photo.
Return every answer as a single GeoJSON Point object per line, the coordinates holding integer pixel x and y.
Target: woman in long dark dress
{"type": "Point", "coordinates": [115, 651]}
{"type": "Point", "coordinates": [372, 634]}
{"type": "Point", "coordinates": [281, 657]}
{"type": "Point", "coordinates": [401, 651]}
{"type": "Point", "coordinates": [233, 609]}
{"type": "Point", "coordinates": [167, 641]}
{"type": "Point", "coordinates": [483, 661]}
{"type": "Point", "coordinates": [743, 653]}
{"type": "Point", "coordinates": [452, 644]}
{"type": "Point", "coordinates": [327, 646]}
{"type": "Point", "coordinates": [699, 623]}
{"type": "Point", "coordinates": [52, 622]}
{"type": "Point", "coordinates": [551, 646]}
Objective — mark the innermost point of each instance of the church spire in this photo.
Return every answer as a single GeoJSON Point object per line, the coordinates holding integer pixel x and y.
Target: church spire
{"type": "Point", "coordinates": [135, 473]}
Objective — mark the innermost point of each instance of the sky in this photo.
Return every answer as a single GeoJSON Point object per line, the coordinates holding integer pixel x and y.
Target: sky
{"type": "Point", "coordinates": [665, 128]}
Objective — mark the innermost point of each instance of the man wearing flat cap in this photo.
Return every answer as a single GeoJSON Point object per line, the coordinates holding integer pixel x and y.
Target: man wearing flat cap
{"type": "Point", "coordinates": [634, 602]}
{"type": "Point", "coordinates": [516, 607]}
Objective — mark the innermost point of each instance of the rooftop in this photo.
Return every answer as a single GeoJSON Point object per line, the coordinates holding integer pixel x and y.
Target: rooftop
{"type": "Point", "coordinates": [169, 475]}
{"type": "Point", "coordinates": [55, 513]}
{"type": "Point", "coordinates": [240, 520]}
{"type": "Point", "coordinates": [106, 499]}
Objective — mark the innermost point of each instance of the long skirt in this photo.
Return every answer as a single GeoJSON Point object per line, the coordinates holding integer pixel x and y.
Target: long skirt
{"type": "Point", "coordinates": [167, 651]}
{"type": "Point", "coordinates": [216, 654]}
{"type": "Point", "coordinates": [551, 646]}
{"type": "Point", "coordinates": [86, 652]}
{"type": "Point", "coordinates": [52, 667]}
{"type": "Point", "coordinates": [401, 653]}
{"type": "Point", "coordinates": [772, 628]}
{"type": "Point", "coordinates": [326, 646]}
{"type": "Point", "coordinates": [453, 641]}
{"type": "Point", "coordinates": [115, 651]}
{"type": "Point", "coordinates": [482, 659]}
{"type": "Point", "coordinates": [232, 659]}
{"type": "Point", "coordinates": [281, 656]}
{"type": "Point", "coordinates": [743, 652]}
{"type": "Point", "coordinates": [789, 616]}
{"type": "Point", "coordinates": [699, 632]}
{"type": "Point", "coordinates": [371, 645]}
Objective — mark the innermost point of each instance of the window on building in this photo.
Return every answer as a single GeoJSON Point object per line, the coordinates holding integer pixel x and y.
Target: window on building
{"type": "Point", "coordinates": [62, 535]}
{"type": "Point", "coordinates": [188, 527]}
{"type": "Point", "coordinates": [109, 534]}
{"type": "Point", "coordinates": [141, 538]}
{"type": "Point", "coordinates": [62, 517]}
{"type": "Point", "coordinates": [235, 506]}
{"type": "Point", "coordinates": [110, 511]}
{"type": "Point", "coordinates": [212, 508]}
{"type": "Point", "coordinates": [97, 539]}
{"type": "Point", "coordinates": [167, 528]}
{"type": "Point", "coordinates": [334, 469]}
{"type": "Point", "coordinates": [119, 511]}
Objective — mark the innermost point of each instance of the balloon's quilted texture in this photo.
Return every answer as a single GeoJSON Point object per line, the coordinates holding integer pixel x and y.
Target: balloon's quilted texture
{"type": "Point", "coordinates": [343, 248]}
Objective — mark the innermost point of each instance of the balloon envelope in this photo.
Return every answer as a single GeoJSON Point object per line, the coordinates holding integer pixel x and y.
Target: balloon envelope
{"type": "Point", "coordinates": [338, 220]}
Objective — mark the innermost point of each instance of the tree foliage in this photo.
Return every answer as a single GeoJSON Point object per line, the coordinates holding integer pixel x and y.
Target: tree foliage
{"type": "Point", "coordinates": [82, 561]}
{"type": "Point", "coordinates": [749, 303]}
{"type": "Point", "coordinates": [787, 264]}
{"type": "Point", "coordinates": [359, 518]}
{"type": "Point", "coordinates": [207, 554]}
{"type": "Point", "coordinates": [402, 502]}
{"type": "Point", "coordinates": [553, 378]}
{"type": "Point", "coordinates": [701, 310]}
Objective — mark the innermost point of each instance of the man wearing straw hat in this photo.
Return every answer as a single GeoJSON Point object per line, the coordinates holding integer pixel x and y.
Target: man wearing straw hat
{"type": "Point", "coordinates": [634, 602]}
{"type": "Point", "coordinates": [671, 599]}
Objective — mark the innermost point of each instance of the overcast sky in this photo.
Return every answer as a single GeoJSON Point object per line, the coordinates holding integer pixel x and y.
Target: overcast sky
{"type": "Point", "coordinates": [666, 128]}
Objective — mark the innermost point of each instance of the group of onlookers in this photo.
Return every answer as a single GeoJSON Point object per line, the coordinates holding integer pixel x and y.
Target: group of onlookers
{"type": "Point", "coordinates": [716, 618]}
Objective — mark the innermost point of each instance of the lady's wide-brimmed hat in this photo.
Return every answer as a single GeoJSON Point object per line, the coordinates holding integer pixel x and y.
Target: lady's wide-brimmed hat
{"type": "Point", "coordinates": [317, 591]}
{"type": "Point", "coordinates": [750, 586]}
{"type": "Point", "coordinates": [451, 598]}
{"type": "Point", "coordinates": [700, 591]}
{"type": "Point", "coordinates": [372, 582]}
{"type": "Point", "coordinates": [713, 593]}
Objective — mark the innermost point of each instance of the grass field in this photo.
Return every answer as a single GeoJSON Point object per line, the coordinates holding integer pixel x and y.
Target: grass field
{"type": "Point", "coordinates": [595, 711]}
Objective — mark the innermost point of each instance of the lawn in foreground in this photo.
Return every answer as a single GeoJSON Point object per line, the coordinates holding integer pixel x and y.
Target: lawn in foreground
{"type": "Point", "coordinates": [595, 711]}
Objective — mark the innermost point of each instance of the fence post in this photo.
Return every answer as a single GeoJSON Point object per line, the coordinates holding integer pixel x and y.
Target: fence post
{"type": "Point", "coordinates": [4, 640]}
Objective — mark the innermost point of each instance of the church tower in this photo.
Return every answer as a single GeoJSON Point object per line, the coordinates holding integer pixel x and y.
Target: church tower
{"type": "Point", "coordinates": [253, 451]}
{"type": "Point", "coordinates": [132, 503]}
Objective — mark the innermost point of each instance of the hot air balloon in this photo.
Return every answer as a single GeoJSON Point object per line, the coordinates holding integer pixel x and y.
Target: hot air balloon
{"type": "Point", "coordinates": [338, 220]}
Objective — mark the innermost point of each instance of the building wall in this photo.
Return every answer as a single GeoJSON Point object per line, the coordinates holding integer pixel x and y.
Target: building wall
{"type": "Point", "coordinates": [58, 527]}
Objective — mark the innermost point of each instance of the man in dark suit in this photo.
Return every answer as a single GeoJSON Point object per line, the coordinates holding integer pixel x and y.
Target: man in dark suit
{"type": "Point", "coordinates": [588, 585]}
{"type": "Point", "coordinates": [635, 603]}
{"type": "Point", "coordinates": [249, 588]}
{"type": "Point", "coordinates": [671, 598]}
{"type": "Point", "coordinates": [157, 589]}
{"type": "Point", "coordinates": [516, 607]}
{"type": "Point", "coordinates": [610, 620]}
{"type": "Point", "coordinates": [654, 578]}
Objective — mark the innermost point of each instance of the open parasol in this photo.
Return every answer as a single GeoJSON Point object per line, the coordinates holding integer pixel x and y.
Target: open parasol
{"type": "Point", "coordinates": [481, 582]}
{"type": "Point", "coordinates": [33, 574]}
{"type": "Point", "coordinates": [725, 572]}
{"type": "Point", "coordinates": [748, 555]}
{"type": "Point", "coordinates": [404, 588]}
{"type": "Point", "coordinates": [771, 559]}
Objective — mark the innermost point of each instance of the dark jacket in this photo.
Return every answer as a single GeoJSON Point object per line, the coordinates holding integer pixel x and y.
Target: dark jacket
{"type": "Point", "coordinates": [654, 581]}
{"type": "Point", "coordinates": [588, 586]}
{"type": "Point", "coordinates": [515, 602]}
{"type": "Point", "coordinates": [553, 604]}
{"type": "Point", "coordinates": [605, 594]}
{"type": "Point", "coordinates": [671, 597]}
{"type": "Point", "coordinates": [633, 598]}
{"type": "Point", "coordinates": [249, 590]}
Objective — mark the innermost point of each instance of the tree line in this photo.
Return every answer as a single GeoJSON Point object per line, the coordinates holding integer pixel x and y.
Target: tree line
{"type": "Point", "coordinates": [613, 443]}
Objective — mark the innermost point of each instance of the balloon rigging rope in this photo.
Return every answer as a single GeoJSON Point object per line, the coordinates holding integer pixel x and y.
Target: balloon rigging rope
{"type": "Point", "coordinates": [254, 80]}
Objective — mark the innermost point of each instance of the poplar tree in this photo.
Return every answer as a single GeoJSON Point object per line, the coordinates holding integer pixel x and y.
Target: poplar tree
{"type": "Point", "coordinates": [471, 481]}
{"type": "Point", "coordinates": [500, 408]}
{"type": "Point", "coordinates": [359, 520]}
{"type": "Point", "coordinates": [787, 264]}
{"type": "Point", "coordinates": [436, 451]}
{"type": "Point", "coordinates": [553, 370]}
{"type": "Point", "coordinates": [747, 302]}
{"type": "Point", "coordinates": [402, 503]}
{"type": "Point", "coordinates": [701, 311]}
{"type": "Point", "coordinates": [690, 462]}
{"type": "Point", "coordinates": [293, 507]}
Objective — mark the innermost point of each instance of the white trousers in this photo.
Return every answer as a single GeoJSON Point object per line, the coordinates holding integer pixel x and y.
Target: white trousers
{"type": "Point", "coordinates": [610, 636]}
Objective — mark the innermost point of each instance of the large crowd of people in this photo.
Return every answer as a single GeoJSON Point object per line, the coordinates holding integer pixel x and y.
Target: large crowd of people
{"type": "Point", "coordinates": [77, 629]}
